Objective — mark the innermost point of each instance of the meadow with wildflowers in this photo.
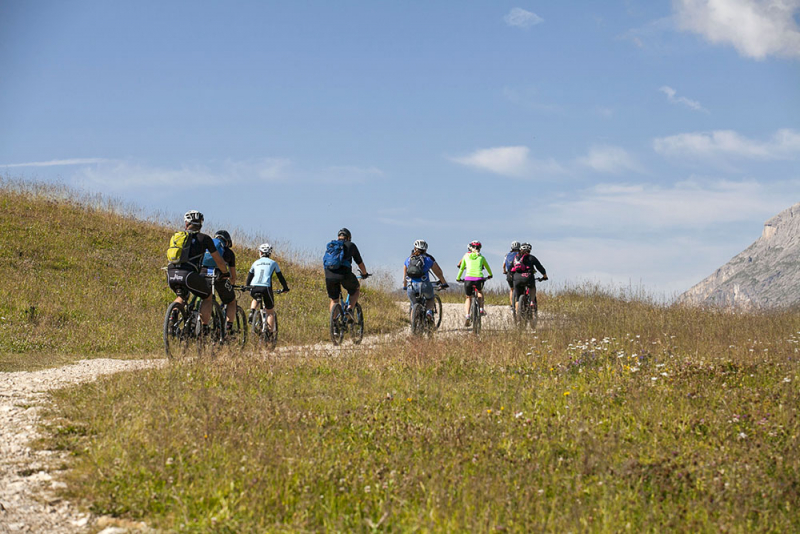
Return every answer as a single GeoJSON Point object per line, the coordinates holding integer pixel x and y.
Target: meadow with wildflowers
{"type": "Point", "coordinates": [617, 414]}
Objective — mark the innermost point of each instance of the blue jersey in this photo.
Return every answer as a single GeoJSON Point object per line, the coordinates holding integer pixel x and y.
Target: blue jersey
{"type": "Point", "coordinates": [428, 262]}
{"type": "Point", "coordinates": [510, 260]}
{"type": "Point", "coordinates": [263, 269]}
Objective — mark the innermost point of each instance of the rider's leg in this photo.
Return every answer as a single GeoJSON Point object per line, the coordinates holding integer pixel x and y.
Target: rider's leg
{"type": "Point", "coordinates": [230, 312]}
{"type": "Point", "coordinates": [480, 298]}
{"type": "Point", "coordinates": [205, 310]}
{"type": "Point", "coordinates": [271, 319]}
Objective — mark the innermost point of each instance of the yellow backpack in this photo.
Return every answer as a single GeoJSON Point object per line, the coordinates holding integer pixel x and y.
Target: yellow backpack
{"type": "Point", "coordinates": [178, 251]}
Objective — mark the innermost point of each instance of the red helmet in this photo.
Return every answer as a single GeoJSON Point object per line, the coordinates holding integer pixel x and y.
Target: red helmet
{"type": "Point", "coordinates": [475, 244]}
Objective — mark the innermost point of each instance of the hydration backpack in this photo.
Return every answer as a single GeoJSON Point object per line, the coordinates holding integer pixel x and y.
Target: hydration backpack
{"type": "Point", "coordinates": [416, 267]}
{"type": "Point", "coordinates": [178, 251]}
{"type": "Point", "coordinates": [334, 255]}
{"type": "Point", "coordinates": [519, 265]}
{"type": "Point", "coordinates": [208, 260]}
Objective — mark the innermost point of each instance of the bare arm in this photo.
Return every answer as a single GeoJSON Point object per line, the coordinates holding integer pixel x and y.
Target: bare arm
{"type": "Point", "coordinates": [233, 275]}
{"type": "Point", "coordinates": [437, 271]}
{"type": "Point", "coordinates": [405, 275]}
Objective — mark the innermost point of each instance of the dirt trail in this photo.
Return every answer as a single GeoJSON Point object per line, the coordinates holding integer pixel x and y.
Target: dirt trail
{"type": "Point", "coordinates": [27, 490]}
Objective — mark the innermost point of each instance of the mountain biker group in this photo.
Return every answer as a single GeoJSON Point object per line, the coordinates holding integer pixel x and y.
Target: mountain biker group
{"type": "Point", "coordinates": [193, 254]}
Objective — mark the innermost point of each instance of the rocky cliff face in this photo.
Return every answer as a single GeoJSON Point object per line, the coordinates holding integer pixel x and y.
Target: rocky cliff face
{"type": "Point", "coordinates": [766, 274]}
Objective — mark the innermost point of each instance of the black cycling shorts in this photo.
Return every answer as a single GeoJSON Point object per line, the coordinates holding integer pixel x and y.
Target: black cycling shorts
{"type": "Point", "coordinates": [523, 281]}
{"type": "Point", "coordinates": [225, 290]}
{"type": "Point", "coordinates": [335, 285]}
{"type": "Point", "coordinates": [183, 282]}
{"type": "Point", "coordinates": [471, 285]}
{"type": "Point", "coordinates": [510, 280]}
{"type": "Point", "coordinates": [265, 294]}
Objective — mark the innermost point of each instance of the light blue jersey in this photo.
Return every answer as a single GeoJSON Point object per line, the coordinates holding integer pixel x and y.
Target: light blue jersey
{"type": "Point", "coordinates": [263, 269]}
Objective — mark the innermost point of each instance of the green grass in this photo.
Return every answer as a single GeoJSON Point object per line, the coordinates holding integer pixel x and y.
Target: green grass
{"type": "Point", "coordinates": [616, 416]}
{"type": "Point", "coordinates": [83, 278]}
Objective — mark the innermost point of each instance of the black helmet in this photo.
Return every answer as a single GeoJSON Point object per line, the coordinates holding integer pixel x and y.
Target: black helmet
{"type": "Point", "coordinates": [345, 232]}
{"type": "Point", "coordinates": [225, 236]}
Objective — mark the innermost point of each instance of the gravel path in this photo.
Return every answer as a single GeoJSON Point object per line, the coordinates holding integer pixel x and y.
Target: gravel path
{"type": "Point", "coordinates": [27, 490]}
{"type": "Point", "coordinates": [27, 498]}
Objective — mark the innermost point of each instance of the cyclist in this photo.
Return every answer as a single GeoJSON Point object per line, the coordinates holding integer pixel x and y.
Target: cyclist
{"type": "Point", "coordinates": [523, 269]}
{"type": "Point", "coordinates": [260, 279]}
{"type": "Point", "coordinates": [224, 286]}
{"type": "Point", "coordinates": [339, 273]}
{"type": "Point", "coordinates": [416, 269]}
{"type": "Point", "coordinates": [473, 263]}
{"type": "Point", "coordinates": [506, 271]}
{"type": "Point", "coordinates": [184, 278]}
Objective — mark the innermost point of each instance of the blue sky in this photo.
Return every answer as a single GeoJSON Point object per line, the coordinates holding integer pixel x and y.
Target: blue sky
{"type": "Point", "coordinates": [631, 142]}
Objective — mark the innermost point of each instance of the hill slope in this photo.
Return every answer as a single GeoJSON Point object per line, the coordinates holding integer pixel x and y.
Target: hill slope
{"type": "Point", "coordinates": [80, 279]}
{"type": "Point", "coordinates": [765, 274]}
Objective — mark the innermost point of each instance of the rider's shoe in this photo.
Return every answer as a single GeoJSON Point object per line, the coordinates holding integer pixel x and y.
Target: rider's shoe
{"type": "Point", "coordinates": [429, 315]}
{"type": "Point", "coordinates": [350, 318]}
{"type": "Point", "coordinates": [250, 315]}
{"type": "Point", "coordinates": [483, 312]}
{"type": "Point", "coordinates": [466, 321]}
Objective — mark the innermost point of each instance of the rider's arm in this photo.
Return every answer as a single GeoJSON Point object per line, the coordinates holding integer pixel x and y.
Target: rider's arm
{"type": "Point", "coordinates": [539, 267]}
{"type": "Point", "coordinates": [220, 262]}
{"type": "Point", "coordinates": [250, 276]}
{"type": "Point", "coordinates": [233, 274]}
{"type": "Point", "coordinates": [437, 271]}
{"type": "Point", "coordinates": [462, 265]}
{"type": "Point", "coordinates": [405, 276]}
{"type": "Point", "coordinates": [486, 265]}
{"type": "Point", "coordinates": [282, 280]}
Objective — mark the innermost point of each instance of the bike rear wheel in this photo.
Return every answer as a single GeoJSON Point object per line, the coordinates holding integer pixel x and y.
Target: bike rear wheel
{"type": "Point", "coordinates": [476, 315]}
{"type": "Point", "coordinates": [337, 326]}
{"type": "Point", "coordinates": [522, 315]}
{"type": "Point", "coordinates": [175, 331]}
{"type": "Point", "coordinates": [240, 326]}
{"type": "Point", "coordinates": [417, 319]}
{"type": "Point", "coordinates": [357, 328]}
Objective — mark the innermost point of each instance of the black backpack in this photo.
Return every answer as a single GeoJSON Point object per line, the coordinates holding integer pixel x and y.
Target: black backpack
{"type": "Point", "coordinates": [416, 267]}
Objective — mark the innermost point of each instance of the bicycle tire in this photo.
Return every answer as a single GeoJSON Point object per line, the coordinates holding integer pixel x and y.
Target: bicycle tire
{"type": "Point", "coordinates": [272, 337]}
{"type": "Point", "coordinates": [535, 315]}
{"type": "Point", "coordinates": [175, 335]}
{"type": "Point", "coordinates": [216, 331]}
{"type": "Point", "coordinates": [522, 315]}
{"type": "Point", "coordinates": [336, 326]}
{"type": "Point", "coordinates": [240, 326]}
{"type": "Point", "coordinates": [357, 330]}
{"type": "Point", "coordinates": [417, 319]}
{"type": "Point", "coordinates": [476, 315]}
{"type": "Point", "coordinates": [438, 309]}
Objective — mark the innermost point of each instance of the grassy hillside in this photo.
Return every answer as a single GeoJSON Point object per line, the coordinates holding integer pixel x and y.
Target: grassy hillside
{"type": "Point", "coordinates": [615, 416]}
{"type": "Point", "coordinates": [83, 277]}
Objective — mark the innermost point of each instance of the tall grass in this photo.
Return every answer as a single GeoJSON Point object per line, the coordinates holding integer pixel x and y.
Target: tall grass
{"type": "Point", "coordinates": [616, 416]}
{"type": "Point", "coordinates": [83, 277]}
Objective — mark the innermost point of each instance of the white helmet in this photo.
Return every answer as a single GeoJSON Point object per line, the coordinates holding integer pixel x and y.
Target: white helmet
{"type": "Point", "coordinates": [421, 244]}
{"type": "Point", "coordinates": [515, 245]}
{"type": "Point", "coordinates": [265, 249]}
{"type": "Point", "coordinates": [525, 247]}
{"type": "Point", "coordinates": [193, 217]}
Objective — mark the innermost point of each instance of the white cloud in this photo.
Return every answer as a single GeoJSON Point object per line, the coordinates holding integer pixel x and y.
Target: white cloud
{"type": "Point", "coordinates": [756, 28]}
{"type": "Point", "coordinates": [609, 159]}
{"type": "Point", "coordinates": [512, 161]}
{"type": "Point", "coordinates": [58, 162]}
{"type": "Point", "coordinates": [784, 144]}
{"type": "Point", "coordinates": [691, 104]}
{"type": "Point", "coordinates": [521, 18]}
{"type": "Point", "coordinates": [631, 208]}
{"type": "Point", "coordinates": [127, 175]}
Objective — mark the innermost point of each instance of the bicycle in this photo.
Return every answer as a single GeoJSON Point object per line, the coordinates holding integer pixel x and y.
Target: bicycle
{"type": "Point", "coordinates": [421, 322]}
{"type": "Point", "coordinates": [342, 322]}
{"type": "Point", "coordinates": [183, 325]}
{"type": "Point", "coordinates": [260, 325]}
{"type": "Point", "coordinates": [475, 310]}
{"type": "Point", "coordinates": [526, 309]}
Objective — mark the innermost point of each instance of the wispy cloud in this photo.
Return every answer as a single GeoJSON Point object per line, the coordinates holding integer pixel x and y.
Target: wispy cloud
{"type": "Point", "coordinates": [57, 163]}
{"type": "Point", "coordinates": [610, 159]}
{"type": "Point", "coordinates": [649, 35]}
{"type": "Point", "coordinates": [521, 18]}
{"type": "Point", "coordinates": [682, 100]}
{"type": "Point", "coordinates": [722, 144]}
{"type": "Point", "coordinates": [513, 161]}
{"type": "Point", "coordinates": [756, 28]}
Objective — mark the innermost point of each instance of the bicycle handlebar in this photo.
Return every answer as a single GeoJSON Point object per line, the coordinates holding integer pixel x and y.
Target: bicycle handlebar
{"type": "Point", "coordinates": [248, 288]}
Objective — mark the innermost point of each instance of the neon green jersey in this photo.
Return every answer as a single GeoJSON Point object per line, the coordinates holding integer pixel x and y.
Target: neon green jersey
{"type": "Point", "coordinates": [474, 264]}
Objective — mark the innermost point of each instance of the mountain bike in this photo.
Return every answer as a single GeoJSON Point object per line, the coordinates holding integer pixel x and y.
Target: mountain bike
{"type": "Point", "coordinates": [351, 321]}
{"type": "Point", "coordinates": [263, 334]}
{"type": "Point", "coordinates": [475, 310]}
{"type": "Point", "coordinates": [183, 326]}
{"type": "Point", "coordinates": [526, 308]}
{"type": "Point", "coordinates": [421, 322]}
